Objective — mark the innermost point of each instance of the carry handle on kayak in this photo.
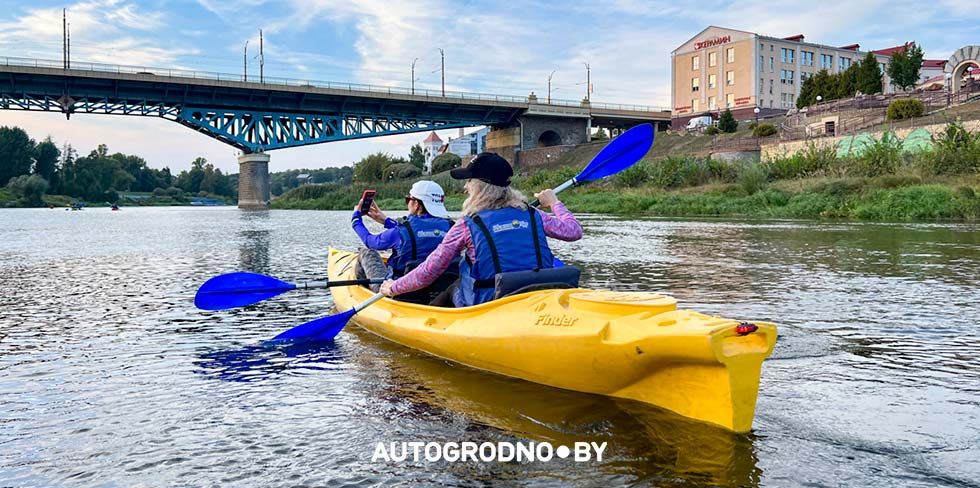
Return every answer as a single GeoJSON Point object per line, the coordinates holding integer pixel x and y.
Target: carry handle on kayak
{"type": "Point", "coordinates": [620, 153]}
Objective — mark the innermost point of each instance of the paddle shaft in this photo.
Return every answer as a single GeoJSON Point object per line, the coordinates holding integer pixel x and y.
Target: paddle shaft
{"type": "Point", "coordinates": [560, 188]}
{"type": "Point", "coordinates": [298, 286]}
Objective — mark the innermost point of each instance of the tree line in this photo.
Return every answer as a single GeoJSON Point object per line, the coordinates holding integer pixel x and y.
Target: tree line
{"type": "Point", "coordinates": [865, 77]}
{"type": "Point", "coordinates": [31, 169]}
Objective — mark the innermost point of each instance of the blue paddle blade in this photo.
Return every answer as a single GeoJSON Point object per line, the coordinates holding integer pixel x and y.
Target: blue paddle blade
{"type": "Point", "coordinates": [556, 262]}
{"type": "Point", "coordinates": [621, 153]}
{"type": "Point", "coordinates": [233, 290]}
{"type": "Point", "coordinates": [321, 329]}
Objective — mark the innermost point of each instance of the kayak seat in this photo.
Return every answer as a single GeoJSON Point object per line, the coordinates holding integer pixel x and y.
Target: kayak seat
{"type": "Point", "coordinates": [517, 282]}
{"type": "Point", "coordinates": [429, 293]}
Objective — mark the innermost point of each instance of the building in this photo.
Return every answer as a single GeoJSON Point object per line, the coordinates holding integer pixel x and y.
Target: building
{"type": "Point", "coordinates": [726, 68]}
{"type": "Point", "coordinates": [470, 144]}
{"type": "Point", "coordinates": [432, 147]}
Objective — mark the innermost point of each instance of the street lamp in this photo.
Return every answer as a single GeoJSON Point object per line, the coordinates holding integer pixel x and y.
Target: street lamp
{"type": "Point", "coordinates": [756, 110]}
{"type": "Point", "coordinates": [819, 98]}
{"type": "Point", "coordinates": [549, 85]}
{"type": "Point", "coordinates": [413, 75]}
{"type": "Point", "coordinates": [442, 56]}
{"type": "Point", "coordinates": [245, 60]}
{"type": "Point", "coordinates": [588, 81]}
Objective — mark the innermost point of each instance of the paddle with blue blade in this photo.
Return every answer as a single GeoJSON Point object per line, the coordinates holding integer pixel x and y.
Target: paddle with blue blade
{"type": "Point", "coordinates": [621, 153]}
{"type": "Point", "coordinates": [232, 290]}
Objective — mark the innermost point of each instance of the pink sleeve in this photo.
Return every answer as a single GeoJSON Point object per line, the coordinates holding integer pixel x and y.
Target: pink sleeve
{"type": "Point", "coordinates": [562, 225]}
{"type": "Point", "coordinates": [457, 239]}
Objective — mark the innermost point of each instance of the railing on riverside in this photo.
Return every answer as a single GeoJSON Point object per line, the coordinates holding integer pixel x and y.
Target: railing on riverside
{"type": "Point", "coordinates": [332, 85]}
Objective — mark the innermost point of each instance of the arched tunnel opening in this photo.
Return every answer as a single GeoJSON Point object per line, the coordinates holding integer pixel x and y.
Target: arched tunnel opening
{"type": "Point", "coordinates": [549, 138]}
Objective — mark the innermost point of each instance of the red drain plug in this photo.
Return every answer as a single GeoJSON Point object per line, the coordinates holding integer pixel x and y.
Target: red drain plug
{"type": "Point", "coordinates": [745, 328]}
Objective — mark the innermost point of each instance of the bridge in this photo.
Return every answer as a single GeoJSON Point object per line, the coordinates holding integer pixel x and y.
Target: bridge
{"type": "Point", "coordinates": [277, 113]}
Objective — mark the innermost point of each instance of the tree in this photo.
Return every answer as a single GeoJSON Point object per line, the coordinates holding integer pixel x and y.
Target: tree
{"type": "Point", "coordinates": [904, 66]}
{"type": "Point", "coordinates": [727, 122]}
{"type": "Point", "coordinates": [869, 76]}
{"type": "Point", "coordinates": [16, 153]}
{"type": "Point", "coordinates": [600, 134]}
{"type": "Point", "coordinates": [847, 82]}
{"type": "Point", "coordinates": [445, 162]}
{"type": "Point", "coordinates": [46, 156]}
{"type": "Point", "coordinates": [402, 171]}
{"type": "Point", "coordinates": [30, 188]}
{"type": "Point", "coordinates": [416, 156]}
{"type": "Point", "coordinates": [370, 168]}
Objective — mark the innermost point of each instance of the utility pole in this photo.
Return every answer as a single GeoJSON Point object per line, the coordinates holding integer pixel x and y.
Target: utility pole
{"type": "Point", "coordinates": [261, 58]}
{"type": "Point", "coordinates": [413, 75]}
{"type": "Point", "coordinates": [588, 81]}
{"type": "Point", "coordinates": [549, 86]}
{"type": "Point", "coordinates": [245, 63]}
{"type": "Point", "coordinates": [68, 44]}
{"type": "Point", "coordinates": [442, 54]}
{"type": "Point", "coordinates": [64, 37]}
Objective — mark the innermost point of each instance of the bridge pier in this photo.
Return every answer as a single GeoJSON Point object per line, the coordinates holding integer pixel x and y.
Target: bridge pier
{"type": "Point", "coordinates": [253, 181]}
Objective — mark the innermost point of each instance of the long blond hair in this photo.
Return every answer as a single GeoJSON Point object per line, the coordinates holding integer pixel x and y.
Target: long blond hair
{"type": "Point", "coordinates": [484, 196]}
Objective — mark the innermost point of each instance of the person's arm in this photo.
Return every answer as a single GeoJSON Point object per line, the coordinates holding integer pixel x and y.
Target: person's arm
{"type": "Point", "coordinates": [562, 225]}
{"type": "Point", "coordinates": [432, 268]}
{"type": "Point", "coordinates": [387, 239]}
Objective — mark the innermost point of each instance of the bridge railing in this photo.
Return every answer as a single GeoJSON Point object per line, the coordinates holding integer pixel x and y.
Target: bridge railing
{"type": "Point", "coordinates": [332, 85]}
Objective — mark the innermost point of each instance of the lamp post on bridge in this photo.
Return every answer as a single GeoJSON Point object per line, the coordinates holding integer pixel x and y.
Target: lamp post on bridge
{"type": "Point", "coordinates": [549, 85]}
{"type": "Point", "coordinates": [442, 55]}
{"type": "Point", "coordinates": [413, 75]}
{"type": "Point", "coordinates": [245, 63]}
{"type": "Point", "coordinates": [588, 81]}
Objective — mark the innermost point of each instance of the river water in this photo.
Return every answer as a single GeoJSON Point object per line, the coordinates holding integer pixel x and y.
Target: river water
{"type": "Point", "coordinates": [110, 377]}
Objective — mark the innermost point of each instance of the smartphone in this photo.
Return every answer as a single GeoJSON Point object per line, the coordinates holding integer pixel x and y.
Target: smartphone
{"type": "Point", "coordinates": [366, 198]}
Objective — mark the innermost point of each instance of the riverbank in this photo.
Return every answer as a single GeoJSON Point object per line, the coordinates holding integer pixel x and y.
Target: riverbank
{"type": "Point", "coordinates": [9, 199]}
{"type": "Point", "coordinates": [901, 197]}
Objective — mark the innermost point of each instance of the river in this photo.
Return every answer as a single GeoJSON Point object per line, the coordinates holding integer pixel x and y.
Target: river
{"type": "Point", "coordinates": [110, 377]}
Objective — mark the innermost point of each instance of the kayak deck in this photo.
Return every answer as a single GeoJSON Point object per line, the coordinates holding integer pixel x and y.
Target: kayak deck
{"type": "Point", "coordinates": [627, 345]}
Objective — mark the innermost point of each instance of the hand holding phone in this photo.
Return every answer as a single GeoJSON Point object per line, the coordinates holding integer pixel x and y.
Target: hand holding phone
{"type": "Point", "coordinates": [366, 199]}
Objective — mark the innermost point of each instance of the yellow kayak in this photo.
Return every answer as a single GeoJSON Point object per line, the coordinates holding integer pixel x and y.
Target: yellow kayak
{"type": "Point", "coordinates": [626, 345]}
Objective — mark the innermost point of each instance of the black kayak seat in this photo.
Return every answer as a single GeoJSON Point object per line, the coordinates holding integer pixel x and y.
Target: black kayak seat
{"type": "Point", "coordinates": [517, 282]}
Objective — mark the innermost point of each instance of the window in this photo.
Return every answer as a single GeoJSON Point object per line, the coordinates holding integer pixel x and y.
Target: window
{"type": "Point", "coordinates": [787, 55]}
{"type": "Point", "coordinates": [770, 86]}
{"type": "Point", "coordinates": [770, 47]}
{"type": "Point", "coordinates": [771, 64]}
{"type": "Point", "coordinates": [786, 76]}
{"type": "Point", "coordinates": [712, 81]}
{"type": "Point", "coordinates": [827, 61]}
{"type": "Point", "coordinates": [712, 59]}
{"type": "Point", "coordinates": [844, 63]}
{"type": "Point", "coordinates": [730, 78]}
{"type": "Point", "coordinates": [696, 63]}
{"type": "Point", "coordinates": [695, 84]}
{"type": "Point", "coordinates": [730, 100]}
{"type": "Point", "coordinates": [762, 87]}
{"type": "Point", "coordinates": [806, 58]}
{"type": "Point", "coordinates": [881, 67]}
{"type": "Point", "coordinates": [712, 104]}
{"type": "Point", "coordinates": [762, 63]}
{"type": "Point", "coordinates": [695, 105]}
{"type": "Point", "coordinates": [730, 54]}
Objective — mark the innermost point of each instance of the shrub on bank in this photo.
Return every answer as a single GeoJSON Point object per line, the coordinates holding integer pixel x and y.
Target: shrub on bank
{"type": "Point", "coordinates": [812, 160]}
{"type": "Point", "coordinates": [955, 151]}
{"type": "Point", "coordinates": [634, 176]}
{"type": "Point", "coordinates": [445, 162]}
{"type": "Point", "coordinates": [905, 109]}
{"type": "Point", "coordinates": [712, 131]}
{"type": "Point", "coordinates": [753, 178]}
{"type": "Point", "coordinates": [881, 157]}
{"type": "Point", "coordinates": [763, 130]}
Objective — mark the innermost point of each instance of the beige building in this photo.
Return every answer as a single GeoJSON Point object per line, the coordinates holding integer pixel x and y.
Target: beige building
{"type": "Point", "coordinates": [726, 68]}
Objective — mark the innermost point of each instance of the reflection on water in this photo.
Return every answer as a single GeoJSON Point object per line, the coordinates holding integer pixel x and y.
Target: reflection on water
{"type": "Point", "coordinates": [108, 376]}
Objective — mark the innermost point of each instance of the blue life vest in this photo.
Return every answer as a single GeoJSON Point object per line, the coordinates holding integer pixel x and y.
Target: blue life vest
{"type": "Point", "coordinates": [506, 240]}
{"type": "Point", "coordinates": [419, 237]}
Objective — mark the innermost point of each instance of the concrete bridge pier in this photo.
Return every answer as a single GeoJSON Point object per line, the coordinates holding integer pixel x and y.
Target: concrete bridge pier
{"type": "Point", "coordinates": [253, 181]}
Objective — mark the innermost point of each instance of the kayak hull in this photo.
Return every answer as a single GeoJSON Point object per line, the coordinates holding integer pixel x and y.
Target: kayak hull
{"type": "Point", "coordinates": [626, 345]}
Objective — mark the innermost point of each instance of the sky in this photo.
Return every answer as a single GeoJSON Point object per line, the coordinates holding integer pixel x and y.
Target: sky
{"type": "Point", "coordinates": [491, 47]}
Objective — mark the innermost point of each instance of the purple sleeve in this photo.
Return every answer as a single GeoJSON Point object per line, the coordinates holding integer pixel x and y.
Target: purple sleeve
{"type": "Point", "coordinates": [387, 239]}
{"type": "Point", "coordinates": [456, 240]}
{"type": "Point", "coordinates": [562, 225]}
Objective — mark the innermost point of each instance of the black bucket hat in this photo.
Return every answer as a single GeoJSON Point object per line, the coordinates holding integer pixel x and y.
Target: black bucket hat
{"type": "Point", "coordinates": [487, 167]}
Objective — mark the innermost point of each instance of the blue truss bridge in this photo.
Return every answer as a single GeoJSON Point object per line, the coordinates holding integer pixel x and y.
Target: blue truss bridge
{"type": "Point", "coordinates": [277, 113]}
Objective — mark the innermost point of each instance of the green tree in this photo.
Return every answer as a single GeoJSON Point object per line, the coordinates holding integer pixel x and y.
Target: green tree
{"type": "Point", "coordinates": [869, 76]}
{"type": "Point", "coordinates": [416, 156]}
{"type": "Point", "coordinates": [30, 188]}
{"type": "Point", "coordinates": [46, 156]}
{"type": "Point", "coordinates": [600, 134]}
{"type": "Point", "coordinates": [402, 171]}
{"type": "Point", "coordinates": [847, 82]}
{"type": "Point", "coordinates": [821, 84]}
{"type": "Point", "coordinates": [727, 122]}
{"type": "Point", "coordinates": [445, 162]}
{"type": "Point", "coordinates": [904, 66]}
{"type": "Point", "coordinates": [16, 153]}
{"type": "Point", "coordinates": [370, 168]}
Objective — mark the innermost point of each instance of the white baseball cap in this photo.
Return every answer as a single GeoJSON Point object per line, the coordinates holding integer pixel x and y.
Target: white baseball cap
{"type": "Point", "coordinates": [432, 196]}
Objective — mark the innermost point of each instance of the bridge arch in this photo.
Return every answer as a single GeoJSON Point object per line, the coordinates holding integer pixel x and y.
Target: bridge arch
{"type": "Point", "coordinates": [963, 58]}
{"type": "Point", "coordinates": [549, 138]}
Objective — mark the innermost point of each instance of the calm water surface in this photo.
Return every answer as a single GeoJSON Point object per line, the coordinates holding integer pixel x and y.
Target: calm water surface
{"type": "Point", "coordinates": [110, 377]}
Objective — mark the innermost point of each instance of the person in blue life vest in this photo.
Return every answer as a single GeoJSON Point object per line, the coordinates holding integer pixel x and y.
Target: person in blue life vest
{"type": "Point", "coordinates": [503, 239]}
{"type": "Point", "coordinates": [410, 238]}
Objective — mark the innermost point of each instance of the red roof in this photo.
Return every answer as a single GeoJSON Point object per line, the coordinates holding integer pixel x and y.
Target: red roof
{"type": "Point", "coordinates": [797, 38]}
{"type": "Point", "coordinates": [891, 51]}
{"type": "Point", "coordinates": [852, 47]}
{"type": "Point", "coordinates": [433, 137]}
{"type": "Point", "coordinates": [933, 63]}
